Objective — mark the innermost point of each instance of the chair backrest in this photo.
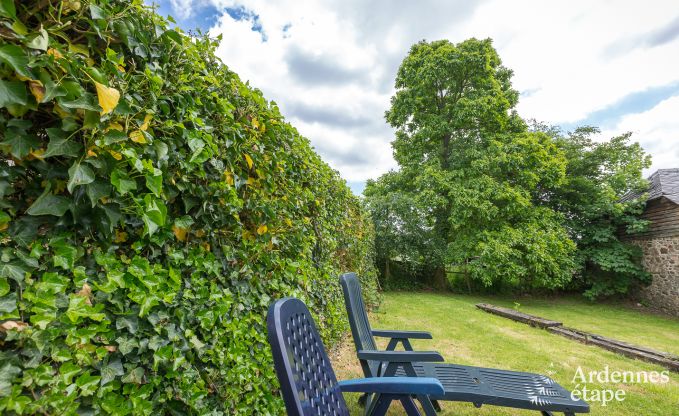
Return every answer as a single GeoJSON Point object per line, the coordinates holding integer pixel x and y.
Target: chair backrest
{"type": "Point", "coordinates": [358, 320]}
{"type": "Point", "coordinates": [308, 383]}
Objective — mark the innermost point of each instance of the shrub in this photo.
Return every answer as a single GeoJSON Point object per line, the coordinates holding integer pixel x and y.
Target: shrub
{"type": "Point", "coordinates": [152, 206]}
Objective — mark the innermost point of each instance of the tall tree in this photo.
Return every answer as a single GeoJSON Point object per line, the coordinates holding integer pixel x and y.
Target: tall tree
{"type": "Point", "coordinates": [473, 171]}
{"type": "Point", "coordinates": [596, 212]}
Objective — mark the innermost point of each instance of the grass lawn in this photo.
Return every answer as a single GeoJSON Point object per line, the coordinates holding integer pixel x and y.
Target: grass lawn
{"type": "Point", "coordinates": [465, 335]}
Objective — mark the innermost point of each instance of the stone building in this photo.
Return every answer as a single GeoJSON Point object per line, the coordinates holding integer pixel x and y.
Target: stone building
{"type": "Point", "coordinates": [660, 243]}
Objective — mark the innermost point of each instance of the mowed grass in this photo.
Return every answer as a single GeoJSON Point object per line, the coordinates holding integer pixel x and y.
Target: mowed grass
{"type": "Point", "coordinates": [466, 335]}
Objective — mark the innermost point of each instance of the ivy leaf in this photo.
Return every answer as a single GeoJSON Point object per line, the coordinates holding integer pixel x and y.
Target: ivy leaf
{"type": "Point", "coordinates": [4, 286]}
{"type": "Point", "coordinates": [64, 254]}
{"type": "Point", "coordinates": [97, 12]}
{"type": "Point", "coordinates": [60, 145]}
{"type": "Point", "coordinates": [85, 102]}
{"type": "Point", "coordinates": [79, 174]}
{"type": "Point", "coordinates": [97, 190]}
{"type": "Point", "coordinates": [155, 182]}
{"type": "Point", "coordinates": [48, 204]}
{"type": "Point", "coordinates": [7, 9]}
{"type": "Point", "coordinates": [155, 214]}
{"type": "Point", "coordinates": [17, 59]}
{"type": "Point", "coordinates": [122, 182]}
{"type": "Point", "coordinates": [40, 41]}
{"type": "Point", "coordinates": [135, 376]}
{"type": "Point", "coordinates": [12, 271]}
{"type": "Point", "coordinates": [20, 142]}
{"type": "Point", "coordinates": [111, 370]}
{"type": "Point", "coordinates": [12, 93]}
{"type": "Point", "coordinates": [108, 97]}
{"type": "Point", "coordinates": [8, 304]}
{"type": "Point", "coordinates": [88, 383]}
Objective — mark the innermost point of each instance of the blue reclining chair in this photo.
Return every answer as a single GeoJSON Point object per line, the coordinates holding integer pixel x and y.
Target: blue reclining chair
{"type": "Point", "coordinates": [308, 384]}
{"type": "Point", "coordinates": [460, 383]}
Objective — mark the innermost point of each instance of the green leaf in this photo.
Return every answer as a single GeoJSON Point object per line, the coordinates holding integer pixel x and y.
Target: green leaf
{"type": "Point", "coordinates": [12, 271]}
{"type": "Point", "coordinates": [48, 204]}
{"type": "Point", "coordinates": [154, 183]}
{"type": "Point", "coordinates": [7, 9]}
{"type": "Point", "coordinates": [12, 93]}
{"type": "Point", "coordinates": [111, 371]}
{"type": "Point", "coordinates": [20, 142]}
{"type": "Point", "coordinates": [16, 58]}
{"type": "Point", "coordinates": [78, 307]}
{"type": "Point", "coordinates": [97, 190]}
{"type": "Point", "coordinates": [155, 214]}
{"type": "Point", "coordinates": [4, 286]}
{"type": "Point", "coordinates": [64, 254]}
{"type": "Point", "coordinates": [114, 136]}
{"type": "Point", "coordinates": [8, 304]}
{"type": "Point", "coordinates": [60, 145]}
{"type": "Point", "coordinates": [53, 90]}
{"type": "Point", "coordinates": [40, 41]}
{"type": "Point", "coordinates": [88, 383]}
{"type": "Point", "coordinates": [135, 376]}
{"type": "Point", "coordinates": [126, 345]}
{"type": "Point", "coordinates": [97, 12]}
{"type": "Point", "coordinates": [79, 174]}
{"type": "Point", "coordinates": [122, 182]}
{"type": "Point", "coordinates": [86, 102]}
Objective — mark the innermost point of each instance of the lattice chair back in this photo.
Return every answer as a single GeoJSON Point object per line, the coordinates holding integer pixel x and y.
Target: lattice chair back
{"type": "Point", "coordinates": [358, 317]}
{"type": "Point", "coordinates": [308, 384]}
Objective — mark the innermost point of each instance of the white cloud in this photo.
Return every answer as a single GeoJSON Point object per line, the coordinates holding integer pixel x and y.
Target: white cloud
{"type": "Point", "coordinates": [330, 65]}
{"type": "Point", "coordinates": [657, 130]}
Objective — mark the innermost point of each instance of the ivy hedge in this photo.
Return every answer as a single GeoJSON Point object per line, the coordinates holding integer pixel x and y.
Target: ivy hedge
{"type": "Point", "coordinates": [151, 207]}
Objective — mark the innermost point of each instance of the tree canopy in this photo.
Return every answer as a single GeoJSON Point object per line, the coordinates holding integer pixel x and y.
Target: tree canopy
{"type": "Point", "coordinates": [476, 188]}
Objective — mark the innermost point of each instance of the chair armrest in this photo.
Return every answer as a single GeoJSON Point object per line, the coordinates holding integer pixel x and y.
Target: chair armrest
{"type": "Point", "coordinates": [400, 356]}
{"type": "Point", "coordinates": [385, 333]}
{"type": "Point", "coordinates": [393, 385]}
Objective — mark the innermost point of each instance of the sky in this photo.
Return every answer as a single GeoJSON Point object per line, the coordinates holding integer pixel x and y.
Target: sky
{"type": "Point", "coordinates": [330, 65]}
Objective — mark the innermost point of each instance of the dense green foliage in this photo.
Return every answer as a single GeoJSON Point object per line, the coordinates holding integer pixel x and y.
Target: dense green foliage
{"type": "Point", "coordinates": [483, 199]}
{"type": "Point", "coordinates": [596, 216]}
{"type": "Point", "coordinates": [152, 205]}
{"type": "Point", "coordinates": [471, 174]}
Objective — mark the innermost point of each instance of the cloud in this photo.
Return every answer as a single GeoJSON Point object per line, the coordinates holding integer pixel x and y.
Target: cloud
{"type": "Point", "coordinates": [330, 65]}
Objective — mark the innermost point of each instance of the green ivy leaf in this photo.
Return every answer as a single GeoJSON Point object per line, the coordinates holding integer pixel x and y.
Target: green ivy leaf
{"type": "Point", "coordinates": [7, 9]}
{"type": "Point", "coordinates": [79, 174]}
{"type": "Point", "coordinates": [4, 286]}
{"type": "Point", "coordinates": [154, 182]}
{"type": "Point", "coordinates": [154, 215]}
{"type": "Point", "coordinates": [12, 271]}
{"type": "Point", "coordinates": [12, 93]}
{"type": "Point", "coordinates": [97, 12]}
{"type": "Point", "coordinates": [97, 190]}
{"type": "Point", "coordinates": [49, 204]}
{"type": "Point", "coordinates": [88, 383]}
{"type": "Point", "coordinates": [122, 182]}
{"type": "Point", "coordinates": [136, 376]}
{"type": "Point", "coordinates": [111, 371]}
{"type": "Point", "coordinates": [16, 58]}
{"type": "Point", "coordinates": [60, 145]}
{"type": "Point", "coordinates": [8, 304]}
{"type": "Point", "coordinates": [40, 41]}
{"type": "Point", "coordinates": [64, 254]}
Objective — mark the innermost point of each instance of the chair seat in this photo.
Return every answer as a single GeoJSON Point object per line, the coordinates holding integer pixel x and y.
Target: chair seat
{"type": "Point", "coordinates": [487, 386]}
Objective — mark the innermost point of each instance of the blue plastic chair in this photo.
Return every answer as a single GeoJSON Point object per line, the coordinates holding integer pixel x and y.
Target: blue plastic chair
{"type": "Point", "coordinates": [477, 385]}
{"type": "Point", "coordinates": [308, 384]}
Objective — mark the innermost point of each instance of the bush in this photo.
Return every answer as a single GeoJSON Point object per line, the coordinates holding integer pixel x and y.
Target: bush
{"type": "Point", "coordinates": [152, 206]}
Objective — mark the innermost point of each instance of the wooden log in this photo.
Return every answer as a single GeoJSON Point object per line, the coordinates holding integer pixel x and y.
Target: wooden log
{"type": "Point", "coordinates": [518, 316]}
{"type": "Point", "coordinates": [661, 358]}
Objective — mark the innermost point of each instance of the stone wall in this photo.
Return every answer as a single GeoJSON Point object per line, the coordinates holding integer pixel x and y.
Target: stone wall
{"type": "Point", "coordinates": [661, 259]}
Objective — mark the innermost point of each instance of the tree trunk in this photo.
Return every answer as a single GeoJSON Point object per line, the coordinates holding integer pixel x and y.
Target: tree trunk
{"type": "Point", "coordinates": [387, 272]}
{"type": "Point", "coordinates": [440, 278]}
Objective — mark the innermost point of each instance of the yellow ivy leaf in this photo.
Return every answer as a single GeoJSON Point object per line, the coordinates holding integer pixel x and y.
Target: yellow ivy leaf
{"type": "Point", "coordinates": [55, 53]}
{"type": "Point", "coordinates": [81, 49]}
{"type": "Point", "coordinates": [199, 233]}
{"type": "Point", "coordinates": [255, 123]}
{"type": "Point", "coordinates": [121, 237]}
{"type": "Point", "coordinates": [206, 246]}
{"type": "Point", "coordinates": [108, 97]}
{"type": "Point", "coordinates": [116, 155]}
{"type": "Point", "coordinates": [287, 221]}
{"type": "Point", "coordinates": [250, 181]}
{"type": "Point", "coordinates": [37, 154]}
{"type": "Point", "coordinates": [91, 153]}
{"type": "Point", "coordinates": [86, 292]}
{"type": "Point", "coordinates": [37, 89]}
{"type": "Point", "coordinates": [228, 177]}
{"type": "Point", "coordinates": [62, 113]}
{"type": "Point", "coordinates": [262, 229]}
{"type": "Point", "coordinates": [4, 226]}
{"type": "Point", "coordinates": [115, 126]}
{"type": "Point", "coordinates": [137, 136]}
{"type": "Point", "coordinates": [179, 232]}
{"type": "Point", "coordinates": [147, 120]}
{"type": "Point", "coordinates": [248, 159]}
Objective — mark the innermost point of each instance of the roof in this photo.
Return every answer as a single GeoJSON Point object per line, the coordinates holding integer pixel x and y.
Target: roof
{"type": "Point", "coordinates": [663, 183]}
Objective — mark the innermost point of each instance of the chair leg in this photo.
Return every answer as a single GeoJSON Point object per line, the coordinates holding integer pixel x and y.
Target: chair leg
{"type": "Point", "coordinates": [437, 405]}
{"type": "Point", "coordinates": [546, 413]}
{"type": "Point", "coordinates": [362, 399]}
{"type": "Point", "coordinates": [409, 406]}
{"type": "Point", "coordinates": [381, 405]}
{"type": "Point", "coordinates": [427, 405]}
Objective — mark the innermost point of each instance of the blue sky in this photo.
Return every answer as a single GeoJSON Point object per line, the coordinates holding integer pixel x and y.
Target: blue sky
{"type": "Point", "coordinates": [330, 65]}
